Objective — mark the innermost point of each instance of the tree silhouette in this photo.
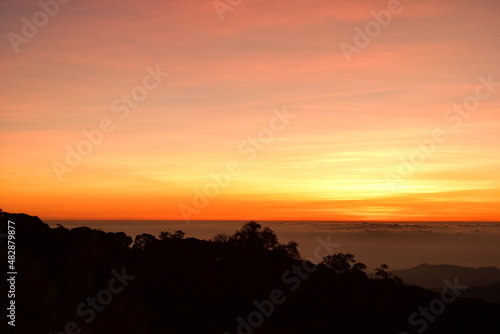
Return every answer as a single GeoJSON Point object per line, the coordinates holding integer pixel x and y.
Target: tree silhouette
{"type": "Point", "coordinates": [143, 240]}
{"type": "Point", "coordinates": [120, 238]}
{"type": "Point", "coordinates": [343, 263]}
{"type": "Point", "coordinates": [221, 237]}
{"type": "Point", "coordinates": [176, 235]}
{"type": "Point", "coordinates": [382, 273]}
{"type": "Point", "coordinates": [253, 235]}
{"type": "Point", "coordinates": [291, 249]}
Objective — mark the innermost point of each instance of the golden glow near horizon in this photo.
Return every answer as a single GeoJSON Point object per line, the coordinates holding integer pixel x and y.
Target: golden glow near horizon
{"type": "Point", "coordinates": [329, 110]}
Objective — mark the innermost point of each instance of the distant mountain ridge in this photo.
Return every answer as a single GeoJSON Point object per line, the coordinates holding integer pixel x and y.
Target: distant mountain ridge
{"type": "Point", "coordinates": [432, 276]}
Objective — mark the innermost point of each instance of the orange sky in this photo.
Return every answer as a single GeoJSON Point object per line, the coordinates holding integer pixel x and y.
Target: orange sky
{"type": "Point", "coordinates": [350, 122]}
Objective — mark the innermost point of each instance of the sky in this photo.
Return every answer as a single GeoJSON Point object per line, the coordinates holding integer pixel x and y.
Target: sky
{"type": "Point", "coordinates": [253, 109]}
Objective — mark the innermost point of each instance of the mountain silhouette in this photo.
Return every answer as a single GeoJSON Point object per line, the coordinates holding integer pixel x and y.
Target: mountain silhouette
{"type": "Point", "coordinates": [83, 279]}
{"type": "Point", "coordinates": [431, 276]}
